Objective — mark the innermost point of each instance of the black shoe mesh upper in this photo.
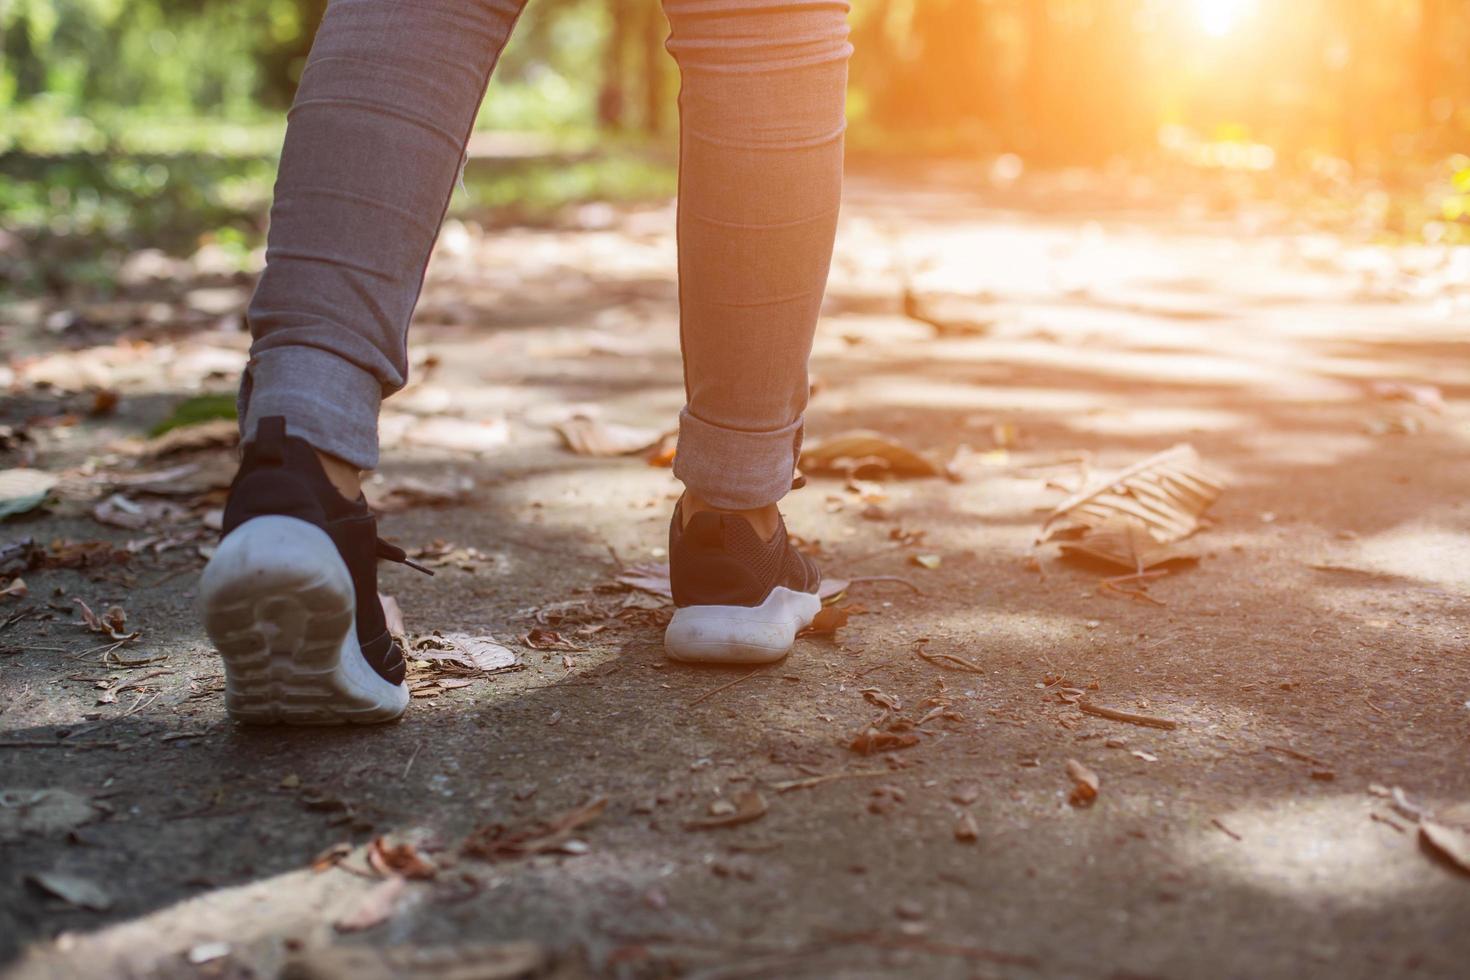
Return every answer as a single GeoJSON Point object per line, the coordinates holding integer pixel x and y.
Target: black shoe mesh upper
{"type": "Point", "coordinates": [720, 560]}
{"type": "Point", "coordinates": [280, 474]}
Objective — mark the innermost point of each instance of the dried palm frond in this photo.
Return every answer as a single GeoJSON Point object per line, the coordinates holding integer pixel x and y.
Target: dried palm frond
{"type": "Point", "coordinates": [1165, 494]}
{"type": "Point", "coordinates": [1124, 542]}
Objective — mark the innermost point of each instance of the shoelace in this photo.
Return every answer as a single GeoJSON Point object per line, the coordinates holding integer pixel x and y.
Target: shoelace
{"type": "Point", "coordinates": [391, 552]}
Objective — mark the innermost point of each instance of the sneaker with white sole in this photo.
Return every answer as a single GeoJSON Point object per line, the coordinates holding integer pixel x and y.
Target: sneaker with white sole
{"type": "Point", "coordinates": [739, 599]}
{"type": "Point", "coordinates": [290, 596]}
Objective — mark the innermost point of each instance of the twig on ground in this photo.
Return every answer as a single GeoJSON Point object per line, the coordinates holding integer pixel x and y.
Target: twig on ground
{"type": "Point", "coordinates": [414, 755]}
{"type": "Point", "coordinates": [873, 669]}
{"type": "Point", "coordinates": [1374, 707]}
{"type": "Point", "coordinates": [1113, 585]}
{"type": "Point", "coordinates": [724, 687]}
{"type": "Point", "coordinates": [1132, 718]}
{"type": "Point", "coordinates": [786, 786]}
{"type": "Point", "coordinates": [1301, 756]}
{"type": "Point", "coordinates": [949, 661]}
{"type": "Point", "coordinates": [1380, 818]}
{"type": "Point", "coordinates": [861, 579]}
{"type": "Point", "coordinates": [1225, 830]}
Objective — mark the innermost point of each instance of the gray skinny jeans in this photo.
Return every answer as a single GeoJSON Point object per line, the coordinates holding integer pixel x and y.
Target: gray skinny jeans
{"type": "Point", "coordinates": [373, 148]}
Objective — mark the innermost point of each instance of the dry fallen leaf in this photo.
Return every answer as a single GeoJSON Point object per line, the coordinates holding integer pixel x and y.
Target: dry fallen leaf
{"type": "Point", "coordinates": [24, 489]}
{"type": "Point", "coordinates": [1127, 544]}
{"type": "Point", "coordinates": [498, 843]}
{"type": "Point", "coordinates": [930, 562]}
{"type": "Point", "coordinates": [392, 614]}
{"type": "Point", "coordinates": [442, 432]}
{"type": "Point", "coordinates": [16, 588]}
{"type": "Point", "coordinates": [828, 620]}
{"type": "Point", "coordinates": [1085, 783]}
{"type": "Point", "coordinates": [1450, 843]}
{"type": "Point", "coordinates": [594, 437]}
{"type": "Point", "coordinates": [478, 653]}
{"type": "Point", "coordinates": [951, 315]}
{"type": "Point", "coordinates": [375, 907]}
{"type": "Point", "coordinates": [749, 806]}
{"type": "Point", "coordinates": [74, 890]}
{"type": "Point", "coordinates": [42, 812]}
{"type": "Point", "coordinates": [110, 623]}
{"type": "Point", "coordinates": [507, 961]}
{"type": "Point", "coordinates": [1165, 493]}
{"type": "Point", "coordinates": [406, 493]}
{"type": "Point", "coordinates": [120, 511]}
{"type": "Point", "coordinates": [862, 453]}
{"type": "Point", "coordinates": [965, 828]}
{"type": "Point", "coordinates": [648, 577]}
{"type": "Point", "coordinates": [403, 860]}
{"type": "Point", "coordinates": [871, 739]}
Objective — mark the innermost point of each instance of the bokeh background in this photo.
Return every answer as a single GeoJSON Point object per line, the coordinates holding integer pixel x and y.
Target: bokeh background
{"type": "Point", "coordinates": [133, 123]}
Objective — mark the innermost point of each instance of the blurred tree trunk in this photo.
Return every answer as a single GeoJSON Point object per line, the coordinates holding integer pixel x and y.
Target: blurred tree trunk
{"type": "Point", "coordinates": [654, 64]}
{"type": "Point", "coordinates": [610, 98]}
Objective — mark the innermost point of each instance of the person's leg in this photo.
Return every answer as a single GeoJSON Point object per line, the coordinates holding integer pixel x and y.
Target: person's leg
{"type": "Point", "coordinates": [760, 175]}
{"type": "Point", "coordinates": [373, 149]}
{"type": "Point", "coordinates": [374, 143]}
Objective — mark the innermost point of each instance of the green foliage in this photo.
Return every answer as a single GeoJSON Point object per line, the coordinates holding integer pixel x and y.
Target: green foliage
{"type": "Point", "coordinates": [201, 408]}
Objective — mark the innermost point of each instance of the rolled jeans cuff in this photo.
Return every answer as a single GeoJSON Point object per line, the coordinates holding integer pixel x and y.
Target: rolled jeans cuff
{"type": "Point", "coordinates": [733, 469]}
{"type": "Point", "coordinates": [330, 402]}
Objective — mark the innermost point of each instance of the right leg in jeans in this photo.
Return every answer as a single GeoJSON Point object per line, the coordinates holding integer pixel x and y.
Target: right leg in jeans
{"type": "Point", "coordinates": [374, 145]}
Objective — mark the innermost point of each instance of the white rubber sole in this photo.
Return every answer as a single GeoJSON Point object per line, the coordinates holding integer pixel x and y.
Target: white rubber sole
{"type": "Point", "coordinates": [741, 634]}
{"type": "Point", "coordinates": [278, 602]}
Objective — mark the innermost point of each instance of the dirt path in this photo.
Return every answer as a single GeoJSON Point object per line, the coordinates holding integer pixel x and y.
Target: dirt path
{"type": "Point", "coordinates": [1318, 649]}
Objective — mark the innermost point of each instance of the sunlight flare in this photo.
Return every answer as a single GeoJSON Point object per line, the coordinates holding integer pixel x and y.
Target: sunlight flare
{"type": "Point", "coordinates": [1218, 18]}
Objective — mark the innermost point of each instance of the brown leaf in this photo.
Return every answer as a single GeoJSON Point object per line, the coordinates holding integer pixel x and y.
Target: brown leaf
{"type": "Point", "coordinates": [749, 806]}
{"type": "Point", "coordinates": [498, 843]}
{"type": "Point", "coordinates": [1165, 494]}
{"type": "Point", "coordinates": [871, 740]}
{"type": "Point", "coordinates": [191, 438]}
{"type": "Point", "coordinates": [828, 620]}
{"type": "Point", "coordinates": [375, 907]}
{"type": "Point", "coordinates": [392, 614]}
{"type": "Point", "coordinates": [16, 588]}
{"type": "Point", "coordinates": [110, 623]}
{"type": "Point", "coordinates": [403, 860]}
{"type": "Point", "coordinates": [864, 453]}
{"type": "Point", "coordinates": [951, 315]}
{"type": "Point", "coordinates": [1450, 843]}
{"type": "Point", "coordinates": [332, 856]}
{"type": "Point", "coordinates": [1127, 544]}
{"type": "Point", "coordinates": [965, 828]}
{"type": "Point", "coordinates": [545, 639]}
{"type": "Point", "coordinates": [594, 437]}
{"type": "Point", "coordinates": [874, 696]}
{"type": "Point", "coordinates": [662, 454]}
{"type": "Point", "coordinates": [1085, 783]}
{"type": "Point", "coordinates": [83, 554]}
{"type": "Point", "coordinates": [648, 577]}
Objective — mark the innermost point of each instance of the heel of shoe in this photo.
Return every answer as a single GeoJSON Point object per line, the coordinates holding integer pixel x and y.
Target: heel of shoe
{"type": "Point", "coordinates": [740, 634]}
{"type": "Point", "coordinates": [278, 602]}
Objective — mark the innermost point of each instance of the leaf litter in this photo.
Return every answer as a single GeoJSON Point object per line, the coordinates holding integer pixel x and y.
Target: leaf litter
{"type": "Point", "coordinates": [496, 842]}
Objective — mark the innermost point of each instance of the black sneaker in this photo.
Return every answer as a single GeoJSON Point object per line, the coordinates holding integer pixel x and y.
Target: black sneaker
{"type": "Point", "coordinates": [740, 600]}
{"type": "Point", "coordinates": [290, 597]}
